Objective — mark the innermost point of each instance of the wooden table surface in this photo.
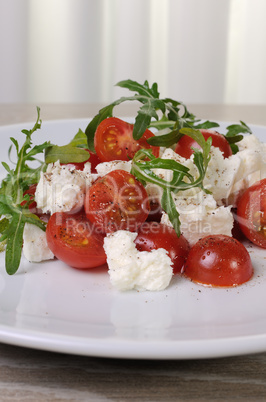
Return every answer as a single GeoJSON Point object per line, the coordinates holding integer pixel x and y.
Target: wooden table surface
{"type": "Point", "coordinates": [33, 375]}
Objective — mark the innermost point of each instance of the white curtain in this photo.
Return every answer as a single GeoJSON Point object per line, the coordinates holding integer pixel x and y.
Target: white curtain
{"type": "Point", "coordinates": [76, 50]}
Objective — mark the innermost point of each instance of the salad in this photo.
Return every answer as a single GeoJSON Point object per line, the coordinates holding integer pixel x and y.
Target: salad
{"type": "Point", "coordinates": [167, 195]}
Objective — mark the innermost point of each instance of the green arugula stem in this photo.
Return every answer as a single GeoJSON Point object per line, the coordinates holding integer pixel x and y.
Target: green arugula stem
{"type": "Point", "coordinates": [12, 194]}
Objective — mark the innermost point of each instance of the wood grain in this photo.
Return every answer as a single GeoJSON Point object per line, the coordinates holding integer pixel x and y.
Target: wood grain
{"type": "Point", "coordinates": [32, 375]}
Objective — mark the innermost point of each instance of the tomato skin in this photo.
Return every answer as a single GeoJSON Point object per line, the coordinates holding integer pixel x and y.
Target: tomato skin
{"type": "Point", "coordinates": [93, 159]}
{"type": "Point", "coordinates": [251, 213]}
{"type": "Point", "coordinates": [117, 201]}
{"type": "Point", "coordinates": [218, 260]}
{"type": "Point", "coordinates": [72, 240]}
{"type": "Point", "coordinates": [154, 235]}
{"type": "Point", "coordinates": [183, 147]}
{"type": "Point", "coordinates": [114, 141]}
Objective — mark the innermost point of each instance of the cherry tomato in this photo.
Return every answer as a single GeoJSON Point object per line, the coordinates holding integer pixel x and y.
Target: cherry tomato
{"type": "Point", "coordinates": [218, 260]}
{"type": "Point", "coordinates": [93, 159]}
{"type": "Point", "coordinates": [154, 235]}
{"type": "Point", "coordinates": [72, 240]}
{"type": "Point", "coordinates": [117, 201]}
{"type": "Point", "coordinates": [183, 147]}
{"type": "Point", "coordinates": [114, 141]}
{"type": "Point", "coordinates": [251, 213]}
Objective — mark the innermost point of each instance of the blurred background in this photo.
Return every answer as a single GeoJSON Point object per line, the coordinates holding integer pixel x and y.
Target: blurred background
{"type": "Point", "coordinates": [74, 51]}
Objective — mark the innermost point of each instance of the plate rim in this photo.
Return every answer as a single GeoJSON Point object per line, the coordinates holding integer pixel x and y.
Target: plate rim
{"type": "Point", "coordinates": [173, 349]}
{"type": "Point", "coordinates": [133, 349]}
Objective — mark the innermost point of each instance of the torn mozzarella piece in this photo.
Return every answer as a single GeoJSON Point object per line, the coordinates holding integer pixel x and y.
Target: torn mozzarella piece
{"type": "Point", "coordinates": [133, 269]}
{"type": "Point", "coordinates": [62, 188]}
{"type": "Point", "coordinates": [170, 154]}
{"type": "Point", "coordinates": [35, 248]}
{"type": "Point", "coordinates": [226, 178]}
{"type": "Point", "coordinates": [155, 192]}
{"type": "Point", "coordinates": [250, 141]}
{"type": "Point", "coordinates": [221, 175]}
{"type": "Point", "coordinates": [200, 216]}
{"type": "Point", "coordinates": [253, 156]}
{"type": "Point", "coordinates": [107, 167]}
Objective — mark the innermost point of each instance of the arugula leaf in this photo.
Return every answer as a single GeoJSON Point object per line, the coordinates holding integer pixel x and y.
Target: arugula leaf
{"type": "Point", "coordinates": [73, 152]}
{"type": "Point", "coordinates": [148, 96]}
{"type": "Point", "coordinates": [144, 89]}
{"type": "Point", "coordinates": [79, 140]}
{"type": "Point", "coordinates": [206, 125]}
{"type": "Point", "coordinates": [4, 222]}
{"type": "Point", "coordinates": [168, 205]}
{"type": "Point", "coordinates": [66, 154]}
{"type": "Point", "coordinates": [143, 119]}
{"type": "Point", "coordinates": [11, 197]}
{"type": "Point", "coordinates": [232, 135]}
{"type": "Point", "coordinates": [104, 113]}
{"type": "Point", "coordinates": [154, 112]}
{"type": "Point", "coordinates": [165, 140]}
{"type": "Point", "coordinates": [204, 144]}
{"type": "Point", "coordinates": [235, 129]}
{"type": "Point", "coordinates": [144, 163]}
{"type": "Point", "coordinates": [160, 114]}
{"type": "Point", "coordinates": [14, 243]}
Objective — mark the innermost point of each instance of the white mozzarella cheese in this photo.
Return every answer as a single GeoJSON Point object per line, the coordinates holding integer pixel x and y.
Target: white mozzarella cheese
{"type": "Point", "coordinates": [221, 175]}
{"type": "Point", "coordinates": [35, 248]}
{"type": "Point", "coordinates": [62, 188]}
{"type": "Point", "coordinates": [200, 216]}
{"type": "Point", "coordinates": [253, 156]}
{"type": "Point", "coordinates": [133, 269]}
{"type": "Point", "coordinates": [107, 167]}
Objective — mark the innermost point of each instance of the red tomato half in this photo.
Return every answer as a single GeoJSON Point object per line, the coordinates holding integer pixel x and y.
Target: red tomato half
{"type": "Point", "coordinates": [251, 213]}
{"type": "Point", "coordinates": [184, 145]}
{"type": "Point", "coordinates": [154, 235]}
{"type": "Point", "coordinates": [72, 240]}
{"type": "Point", "coordinates": [218, 260]}
{"type": "Point", "coordinates": [117, 201]}
{"type": "Point", "coordinates": [114, 141]}
{"type": "Point", "coordinates": [94, 160]}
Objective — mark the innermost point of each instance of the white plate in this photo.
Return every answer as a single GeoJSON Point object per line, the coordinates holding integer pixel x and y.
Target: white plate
{"type": "Point", "coordinates": [53, 307]}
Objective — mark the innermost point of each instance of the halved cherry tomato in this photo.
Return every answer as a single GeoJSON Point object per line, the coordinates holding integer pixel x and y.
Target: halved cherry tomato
{"type": "Point", "coordinates": [94, 160]}
{"type": "Point", "coordinates": [72, 240]}
{"type": "Point", "coordinates": [117, 201]}
{"type": "Point", "coordinates": [114, 140]}
{"type": "Point", "coordinates": [154, 235]}
{"type": "Point", "coordinates": [218, 260]}
{"type": "Point", "coordinates": [185, 144]}
{"type": "Point", "coordinates": [251, 213]}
